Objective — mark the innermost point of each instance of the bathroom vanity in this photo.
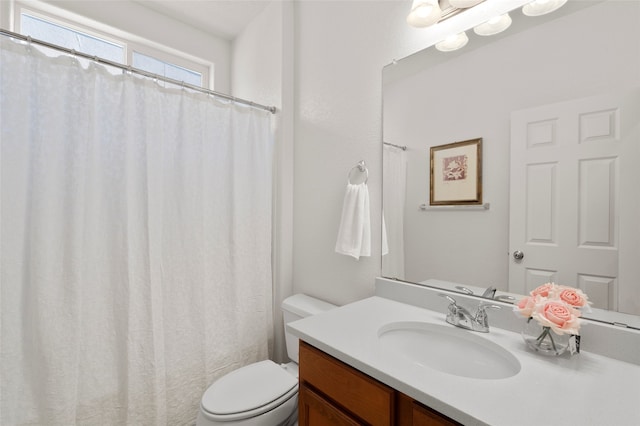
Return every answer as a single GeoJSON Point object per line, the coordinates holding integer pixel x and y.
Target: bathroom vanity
{"type": "Point", "coordinates": [355, 370]}
{"type": "Point", "coordinates": [332, 392]}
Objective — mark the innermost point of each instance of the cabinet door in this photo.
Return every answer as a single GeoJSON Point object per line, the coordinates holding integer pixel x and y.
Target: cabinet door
{"type": "Point", "coordinates": [423, 416]}
{"type": "Point", "coordinates": [314, 410]}
{"type": "Point", "coordinates": [362, 396]}
{"type": "Point", "coordinates": [411, 413]}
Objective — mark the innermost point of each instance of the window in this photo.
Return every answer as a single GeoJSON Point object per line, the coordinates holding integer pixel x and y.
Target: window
{"type": "Point", "coordinates": [47, 28]}
{"type": "Point", "coordinates": [166, 69]}
{"type": "Point", "coordinates": [66, 37]}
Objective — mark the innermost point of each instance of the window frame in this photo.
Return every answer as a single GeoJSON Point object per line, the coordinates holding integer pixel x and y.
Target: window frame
{"type": "Point", "coordinates": [129, 42]}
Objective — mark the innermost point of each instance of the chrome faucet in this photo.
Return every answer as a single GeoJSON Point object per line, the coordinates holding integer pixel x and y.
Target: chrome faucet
{"type": "Point", "coordinates": [461, 317]}
{"type": "Point", "coordinates": [490, 292]}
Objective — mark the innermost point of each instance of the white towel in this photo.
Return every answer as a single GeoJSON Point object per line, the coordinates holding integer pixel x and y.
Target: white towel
{"type": "Point", "coordinates": [354, 235]}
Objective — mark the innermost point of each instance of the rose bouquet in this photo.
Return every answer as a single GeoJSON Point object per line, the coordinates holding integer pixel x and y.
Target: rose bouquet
{"type": "Point", "coordinates": [557, 309]}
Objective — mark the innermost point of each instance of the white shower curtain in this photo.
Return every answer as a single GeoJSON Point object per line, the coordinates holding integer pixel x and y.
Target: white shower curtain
{"type": "Point", "coordinates": [136, 244]}
{"type": "Point", "coordinates": [394, 197]}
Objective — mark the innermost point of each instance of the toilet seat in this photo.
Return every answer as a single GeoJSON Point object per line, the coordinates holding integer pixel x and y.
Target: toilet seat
{"type": "Point", "coordinates": [249, 391]}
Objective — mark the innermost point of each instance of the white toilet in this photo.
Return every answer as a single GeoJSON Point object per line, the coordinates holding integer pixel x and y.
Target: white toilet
{"type": "Point", "coordinates": [263, 393]}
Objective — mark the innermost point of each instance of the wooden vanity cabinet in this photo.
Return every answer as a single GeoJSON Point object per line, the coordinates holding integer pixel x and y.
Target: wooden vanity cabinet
{"type": "Point", "coordinates": [340, 388]}
{"type": "Point", "coordinates": [315, 410]}
{"type": "Point", "coordinates": [410, 412]}
{"type": "Point", "coordinates": [334, 394]}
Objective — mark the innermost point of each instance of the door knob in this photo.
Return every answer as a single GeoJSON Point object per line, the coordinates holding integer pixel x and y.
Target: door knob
{"type": "Point", "coordinates": [518, 255]}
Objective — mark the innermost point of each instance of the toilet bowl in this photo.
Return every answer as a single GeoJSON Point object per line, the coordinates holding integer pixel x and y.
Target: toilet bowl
{"type": "Point", "coordinates": [263, 393]}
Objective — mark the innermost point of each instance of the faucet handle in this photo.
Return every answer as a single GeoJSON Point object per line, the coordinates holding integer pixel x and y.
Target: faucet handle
{"type": "Point", "coordinates": [484, 305]}
{"type": "Point", "coordinates": [453, 308]}
{"type": "Point", "coordinates": [504, 297]}
{"type": "Point", "coordinates": [481, 314]}
{"type": "Point", "coordinates": [449, 298]}
{"type": "Point", "coordinates": [464, 289]}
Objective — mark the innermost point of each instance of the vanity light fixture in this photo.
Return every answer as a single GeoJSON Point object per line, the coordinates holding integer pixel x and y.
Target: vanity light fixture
{"type": "Point", "coordinates": [453, 42]}
{"type": "Point", "coordinates": [542, 7]}
{"type": "Point", "coordinates": [494, 25]}
{"type": "Point", "coordinates": [424, 13]}
{"type": "Point", "coordinates": [463, 4]}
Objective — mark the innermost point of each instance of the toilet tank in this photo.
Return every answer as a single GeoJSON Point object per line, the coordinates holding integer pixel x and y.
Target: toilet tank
{"type": "Point", "coordinates": [297, 307]}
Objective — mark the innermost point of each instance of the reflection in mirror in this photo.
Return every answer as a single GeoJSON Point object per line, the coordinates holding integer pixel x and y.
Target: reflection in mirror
{"type": "Point", "coordinates": [556, 102]}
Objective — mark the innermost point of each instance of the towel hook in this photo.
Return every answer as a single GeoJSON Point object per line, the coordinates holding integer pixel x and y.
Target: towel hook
{"type": "Point", "coordinates": [362, 168]}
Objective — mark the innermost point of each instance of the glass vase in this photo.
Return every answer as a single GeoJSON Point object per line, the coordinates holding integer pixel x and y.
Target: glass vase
{"type": "Point", "coordinates": [543, 339]}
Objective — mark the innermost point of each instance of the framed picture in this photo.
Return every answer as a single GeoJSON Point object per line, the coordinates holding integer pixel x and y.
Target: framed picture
{"type": "Point", "coordinates": [456, 173]}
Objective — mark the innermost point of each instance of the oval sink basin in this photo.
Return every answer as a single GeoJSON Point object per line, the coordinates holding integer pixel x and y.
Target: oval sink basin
{"type": "Point", "coordinates": [449, 349]}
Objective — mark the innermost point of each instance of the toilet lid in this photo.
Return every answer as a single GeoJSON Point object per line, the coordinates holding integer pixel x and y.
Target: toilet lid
{"type": "Point", "coordinates": [246, 389]}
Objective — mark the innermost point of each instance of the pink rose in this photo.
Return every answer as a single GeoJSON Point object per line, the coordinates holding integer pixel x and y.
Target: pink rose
{"type": "Point", "coordinates": [562, 318]}
{"type": "Point", "coordinates": [573, 297]}
{"type": "Point", "coordinates": [544, 290]}
{"type": "Point", "coordinates": [526, 305]}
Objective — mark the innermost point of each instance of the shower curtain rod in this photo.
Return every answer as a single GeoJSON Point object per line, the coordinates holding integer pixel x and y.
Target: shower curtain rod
{"type": "Point", "coordinates": [28, 39]}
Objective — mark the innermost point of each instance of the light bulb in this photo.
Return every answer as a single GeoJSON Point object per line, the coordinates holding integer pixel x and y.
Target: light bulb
{"type": "Point", "coordinates": [453, 42]}
{"type": "Point", "coordinates": [542, 7]}
{"type": "Point", "coordinates": [494, 25]}
{"type": "Point", "coordinates": [424, 13]}
{"type": "Point", "coordinates": [463, 4]}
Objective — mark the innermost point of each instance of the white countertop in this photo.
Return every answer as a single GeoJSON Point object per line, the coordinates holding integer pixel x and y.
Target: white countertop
{"type": "Point", "coordinates": [584, 389]}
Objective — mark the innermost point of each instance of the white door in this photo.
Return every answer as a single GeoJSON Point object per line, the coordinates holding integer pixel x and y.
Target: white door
{"type": "Point", "coordinates": [574, 199]}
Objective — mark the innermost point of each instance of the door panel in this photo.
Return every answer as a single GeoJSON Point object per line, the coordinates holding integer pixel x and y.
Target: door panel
{"type": "Point", "coordinates": [569, 164]}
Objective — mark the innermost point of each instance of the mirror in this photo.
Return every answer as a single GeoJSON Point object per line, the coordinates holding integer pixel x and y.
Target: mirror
{"type": "Point", "coordinates": [517, 86]}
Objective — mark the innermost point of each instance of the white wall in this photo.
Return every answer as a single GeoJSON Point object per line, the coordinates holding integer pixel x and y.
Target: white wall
{"type": "Point", "coordinates": [590, 52]}
{"type": "Point", "coordinates": [257, 56]}
{"type": "Point", "coordinates": [262, 70]}
{"type": "Point", "coordinates": [340, 50]}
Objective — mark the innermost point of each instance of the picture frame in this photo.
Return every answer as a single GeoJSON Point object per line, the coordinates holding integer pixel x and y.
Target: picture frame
{"type": "Point", "coordinates": [455, 176]}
